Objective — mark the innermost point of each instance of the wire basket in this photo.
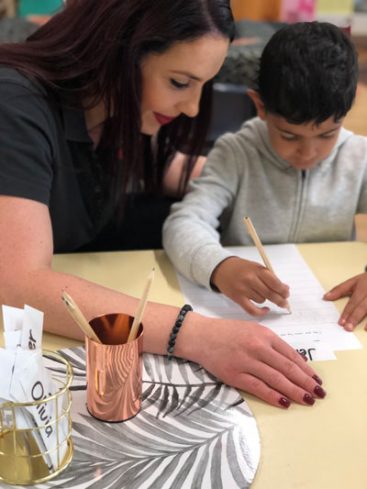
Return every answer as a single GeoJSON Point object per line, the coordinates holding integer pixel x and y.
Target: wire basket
{"type": "Point", "coordinates": [25, 458]}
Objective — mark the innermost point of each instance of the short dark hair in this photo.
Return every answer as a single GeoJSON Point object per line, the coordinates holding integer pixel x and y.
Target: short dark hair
{"type": "Point", "coordinates": [93, 49]}
{"type": "Point", "coordinates": [308, 72]}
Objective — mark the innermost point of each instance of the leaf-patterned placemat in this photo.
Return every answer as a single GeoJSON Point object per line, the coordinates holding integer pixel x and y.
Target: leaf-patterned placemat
{"type": "Point", "coordinates": [192, 432]}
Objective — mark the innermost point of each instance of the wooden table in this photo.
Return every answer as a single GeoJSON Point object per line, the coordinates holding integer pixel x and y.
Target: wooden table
{"type": "Point", "coordinates": [319, 447]}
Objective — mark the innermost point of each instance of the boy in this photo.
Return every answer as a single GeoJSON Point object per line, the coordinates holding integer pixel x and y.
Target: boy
{"type": "Point", "coordinates": [293, 169]}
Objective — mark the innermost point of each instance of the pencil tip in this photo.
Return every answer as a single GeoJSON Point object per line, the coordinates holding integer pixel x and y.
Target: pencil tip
{"type": "Point", "coordinates": [66, 299]}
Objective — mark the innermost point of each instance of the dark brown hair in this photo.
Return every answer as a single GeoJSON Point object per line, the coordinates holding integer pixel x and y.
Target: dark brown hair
{"type": "Point", "coordinates": [93, 49]}
{"type": "Point", "coordinates": [308, 73]}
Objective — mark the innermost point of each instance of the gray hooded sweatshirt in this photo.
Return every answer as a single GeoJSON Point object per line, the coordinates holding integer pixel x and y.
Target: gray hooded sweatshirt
{"type": "Point", "coordinates": [243, 176]}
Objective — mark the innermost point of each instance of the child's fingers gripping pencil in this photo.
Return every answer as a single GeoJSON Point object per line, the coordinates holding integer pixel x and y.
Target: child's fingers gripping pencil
{"type": "Point", "coordinates": [260, 248]}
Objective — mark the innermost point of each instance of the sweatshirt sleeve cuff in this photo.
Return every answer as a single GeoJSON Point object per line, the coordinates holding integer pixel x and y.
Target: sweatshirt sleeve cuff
{"type": "Point", "coordinates": [206, 259]}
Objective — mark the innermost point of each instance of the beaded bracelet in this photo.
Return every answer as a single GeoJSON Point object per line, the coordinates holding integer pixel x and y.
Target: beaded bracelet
{"type": "Point", "coordinates": [176, 328]}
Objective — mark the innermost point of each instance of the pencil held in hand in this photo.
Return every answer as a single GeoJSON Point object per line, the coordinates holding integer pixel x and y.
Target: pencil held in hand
{"type": "Point", "coordinates": [260, 248]}
{"type": "Point", "coordinates": [79, 317]}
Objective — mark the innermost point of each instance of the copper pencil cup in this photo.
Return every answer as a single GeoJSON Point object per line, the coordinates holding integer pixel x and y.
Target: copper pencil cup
{"type": "Point", "coordinates": [114, 369]}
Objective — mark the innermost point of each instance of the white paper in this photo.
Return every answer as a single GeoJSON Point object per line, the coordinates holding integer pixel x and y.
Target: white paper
{"type": "Point", "coordinates": [32, 328]}
{"type": "Point", "coordinates": [27, 380]}
{"type": "Point", "coordinates": [12, 318]}
{"type": "Point", "coordinates": [315, 351]}
{"type": "Point", "coordinates": [6, 363]}
{"type": "Point", "coordinates": [12, 339]}
{"type": "Point", "coordinates": [313, 321]}
{"type": "Point", "coordinates": [31, 382]}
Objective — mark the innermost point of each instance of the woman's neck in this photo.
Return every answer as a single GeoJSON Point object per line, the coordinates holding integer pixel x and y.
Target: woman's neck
{"type": "Point", "coordinates": [94, 120]}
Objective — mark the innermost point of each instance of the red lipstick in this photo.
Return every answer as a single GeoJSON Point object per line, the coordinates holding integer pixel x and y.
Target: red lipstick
{"type": "Point", "coordinates": [163, 119]}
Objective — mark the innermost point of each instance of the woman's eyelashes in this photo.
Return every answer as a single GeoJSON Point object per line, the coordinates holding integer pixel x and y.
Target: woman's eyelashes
{"type": "Point", "coordinates": [178, 85]}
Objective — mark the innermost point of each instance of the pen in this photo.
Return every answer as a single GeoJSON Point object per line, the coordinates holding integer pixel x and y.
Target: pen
{"type": "Point", "coordinates": [260, 248]}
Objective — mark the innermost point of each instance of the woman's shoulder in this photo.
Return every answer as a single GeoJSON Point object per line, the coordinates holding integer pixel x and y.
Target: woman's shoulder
{"type": "Point", "coordinates": [13, 80]}
{"type": "Point", "coordinates": [25, 101]}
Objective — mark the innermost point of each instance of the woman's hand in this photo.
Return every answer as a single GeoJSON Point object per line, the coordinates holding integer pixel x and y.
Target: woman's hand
{"type": "Point", "coordinates": [356, 308]}
{"type": "Point", "coordinates": [244, 281]}
{"type": "Point", "coordinates": [252, 358]}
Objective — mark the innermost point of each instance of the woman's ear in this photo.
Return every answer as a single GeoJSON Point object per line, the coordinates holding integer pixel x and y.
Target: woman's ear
{"type": "Point", "coordinates": [255, 97]}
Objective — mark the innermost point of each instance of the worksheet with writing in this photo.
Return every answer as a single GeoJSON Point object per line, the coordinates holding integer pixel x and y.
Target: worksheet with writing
{"type": "Point", "coordinates": [312, 327]}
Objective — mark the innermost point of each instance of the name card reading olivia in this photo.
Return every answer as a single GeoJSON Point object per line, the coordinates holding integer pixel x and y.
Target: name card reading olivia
{"type": "Point", "coordinates": [26, 380]}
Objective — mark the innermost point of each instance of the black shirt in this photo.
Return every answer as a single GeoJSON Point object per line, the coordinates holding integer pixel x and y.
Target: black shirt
{"type": "Point", "coordinates": [46, 155]}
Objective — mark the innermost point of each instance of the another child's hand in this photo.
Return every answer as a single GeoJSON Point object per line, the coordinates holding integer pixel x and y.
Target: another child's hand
{"type": "Point", "coordinates": [356, 308]}
{"type": "Point", "coordinates": [244, 281]}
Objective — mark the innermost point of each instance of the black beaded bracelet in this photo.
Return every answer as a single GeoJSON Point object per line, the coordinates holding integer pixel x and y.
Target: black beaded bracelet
{"type": "Point", "coordinates": [176, 328]}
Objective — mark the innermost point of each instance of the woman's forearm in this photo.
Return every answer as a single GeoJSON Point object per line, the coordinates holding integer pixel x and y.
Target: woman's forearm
{"type": "Point", "coordinates": [243, 354]}
{"type": "Point", "coordinates": [42, 289]}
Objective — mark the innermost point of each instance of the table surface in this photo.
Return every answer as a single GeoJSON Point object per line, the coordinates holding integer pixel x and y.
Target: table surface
{"type": "Point", "coordinates": [319, 447]}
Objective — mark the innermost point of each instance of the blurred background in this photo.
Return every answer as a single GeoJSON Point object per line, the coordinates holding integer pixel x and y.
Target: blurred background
{"type": "Point", "coordinates": [256, 21]}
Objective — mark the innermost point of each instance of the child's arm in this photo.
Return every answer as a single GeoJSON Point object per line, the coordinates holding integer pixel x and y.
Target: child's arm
{"type": "Point", "coordinates": [192, 231]}
{"type": "Point", "coordinates": [356, 308]}
{"type": "Point", "coordinates": [191, 234]}
{"type": "Point", "coordinates": [245, 281]}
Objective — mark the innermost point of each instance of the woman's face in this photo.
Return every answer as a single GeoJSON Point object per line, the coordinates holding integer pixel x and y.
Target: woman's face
{"type": "Point", "coordinates": [173, 81]}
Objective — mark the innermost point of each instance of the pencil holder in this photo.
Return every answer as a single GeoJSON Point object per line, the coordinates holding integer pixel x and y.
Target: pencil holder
{"type": "Point", "coordinates": [114, 369]}
{"type": "Point", "coordinates": [30, 452]}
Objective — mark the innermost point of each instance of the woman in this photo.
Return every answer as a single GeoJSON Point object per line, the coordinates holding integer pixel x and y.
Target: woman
{"type": "Point", "coordinates": [78, 104]}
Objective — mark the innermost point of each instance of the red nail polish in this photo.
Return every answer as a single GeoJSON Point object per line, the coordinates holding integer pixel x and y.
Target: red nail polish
{"type": "Point", "coordinates": [319, 391]}
{"type": "Point", "coordinates": [317, 378]}
{"type": "Point", "coordinates": [283, 401]}
{"type": "Point", "coordinates": [309, 399]}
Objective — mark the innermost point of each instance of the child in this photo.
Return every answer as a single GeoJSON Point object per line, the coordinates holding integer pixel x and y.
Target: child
{"type": "Point", "coordinates": [293, 169]}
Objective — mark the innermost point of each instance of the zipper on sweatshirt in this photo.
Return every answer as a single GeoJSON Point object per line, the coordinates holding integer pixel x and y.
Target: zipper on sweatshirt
{"type": "Point", "coordinates": [302, 178]}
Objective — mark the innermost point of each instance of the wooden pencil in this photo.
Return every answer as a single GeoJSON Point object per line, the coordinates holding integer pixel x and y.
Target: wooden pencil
{"type": "Point", "coordinates": [141, 307]}
{"type": "Point", "coordinates": [79, 317]}
{"type": "Point", "coordinates": [260, 248]}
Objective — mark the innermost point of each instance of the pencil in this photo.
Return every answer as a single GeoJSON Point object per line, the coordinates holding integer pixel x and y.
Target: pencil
{"type": "Point", "coordinates": [141, 307]}
{"type": "Point", "coordinates": [260, 248]}
{"type": "Point", "coordinates": [79, 317]}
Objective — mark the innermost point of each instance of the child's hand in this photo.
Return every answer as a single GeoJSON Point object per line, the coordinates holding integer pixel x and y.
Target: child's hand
{"type": "Point", "coordinates": [356, 308]}
{"type": "Point", "coordinates": [244, 281]}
